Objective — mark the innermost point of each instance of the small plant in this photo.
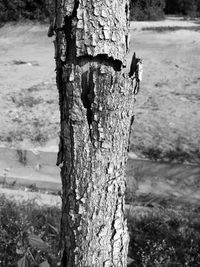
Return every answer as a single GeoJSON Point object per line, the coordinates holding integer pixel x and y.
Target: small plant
{"type": "Point", "coordinates": [29, 235]}
{"type": "Point", "coordinates": [147, 10]}
{"type": "Point", "coordinates": [13, 136]}
{"type": "Point", "coordinates": [177, 154]}
{"type": "Point", "coordinates": [169, 238]}
{"type": "Point", "coordinates": [26, 101]}
{"type": "Point", "coordinates": [39, 137]}
{"type": "Point", "coordinates": [152, 153]}
{"type": "Point", "coordinates": [22, 156]}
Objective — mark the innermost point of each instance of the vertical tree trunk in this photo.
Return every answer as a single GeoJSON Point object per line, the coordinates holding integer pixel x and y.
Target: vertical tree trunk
{"type": "Point", "coordinates": [96, 105]}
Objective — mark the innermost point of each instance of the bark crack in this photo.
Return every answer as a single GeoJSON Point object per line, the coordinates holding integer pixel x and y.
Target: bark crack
{"type": "Point", "coordinates": [89, 65]}
{"type": "Point", "coordinates": [70, 33]}
{"type": "Point", "coordinates": [116, 64]}
{"type": "Point", "coordinates": [129, 133]}
{"type": "Point", "coordinates": [87, 97]}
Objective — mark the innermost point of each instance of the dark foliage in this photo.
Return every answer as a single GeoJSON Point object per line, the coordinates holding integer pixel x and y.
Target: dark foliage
{"type": "Point", "coordinates": [147, 9]}
{"type": "Point", "coordinates": [29, 234]}
{"type": "Point", "coordinates": [14, 10]}
{"type": "Point", "coordinates": [190, 8]}
{"type": "Point", "coordinates": [166, 235]}
{"type": "Point", "coordinates": [176, 154]}
{"type": "Point", "coordinates": [163, 232]}
{"type": "Point", "coordinates": [158, 243]}
{"type": "Point", "coordinates": [152, 153]}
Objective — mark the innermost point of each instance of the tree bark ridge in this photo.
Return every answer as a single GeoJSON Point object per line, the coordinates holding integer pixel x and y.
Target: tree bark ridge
{"type": "Point", "coordinates": [96, 106]}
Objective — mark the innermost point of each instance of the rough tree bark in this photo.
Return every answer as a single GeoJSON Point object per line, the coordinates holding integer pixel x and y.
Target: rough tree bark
{"type": "Point", "coordinates": [96, 98]}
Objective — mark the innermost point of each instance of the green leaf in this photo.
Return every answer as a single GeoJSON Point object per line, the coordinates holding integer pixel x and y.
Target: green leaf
{"type": "Point", "coordinates": [53, 229]}
{"type": "Point", "coordinates": [37, 243]}
{"type": "Point", "coordinates": [20, 250]}
{"type": "Point", "coordinates": [23, 262]}
{"type": "Point", "coordinates": [44, 264]}
{"type": "Point", "coordinates": [129, 261]}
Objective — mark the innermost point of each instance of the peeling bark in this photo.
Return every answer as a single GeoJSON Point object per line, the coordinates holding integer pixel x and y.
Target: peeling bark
{"type": "Point", "coordinates": [96, 100]}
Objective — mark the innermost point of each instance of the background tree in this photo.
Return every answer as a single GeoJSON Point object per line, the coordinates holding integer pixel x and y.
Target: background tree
{"type": "Point", "coordinates": [189, 8]}
{"type": "Point", "coordinates": [96, 106]}
{"type": "Point", "coordinates": [14, 10]}
{"type": "Point", "coordinates": [147, 9]}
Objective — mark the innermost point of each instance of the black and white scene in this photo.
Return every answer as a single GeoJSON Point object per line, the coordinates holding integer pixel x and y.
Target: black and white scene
{"type": "Point", "coordinates": [99, 133]}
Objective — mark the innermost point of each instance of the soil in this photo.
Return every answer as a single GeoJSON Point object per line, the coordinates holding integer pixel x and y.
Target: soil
{"type": "Point", "coordinates": [28, 95]}
{"type": "Point", "coordinates": [167, 106]}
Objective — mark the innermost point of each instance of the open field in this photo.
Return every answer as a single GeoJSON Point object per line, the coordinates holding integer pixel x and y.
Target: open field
{"type": "Point", "coordinates": [167, 117]}
{"type": "Point", "coordinates": [28, 95]}
{"type": "Point", "coordinates": [167, 108]}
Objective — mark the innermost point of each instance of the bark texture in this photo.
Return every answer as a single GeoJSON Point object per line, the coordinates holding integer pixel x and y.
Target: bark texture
{"type": "Point", "coordinates": [96, 105]}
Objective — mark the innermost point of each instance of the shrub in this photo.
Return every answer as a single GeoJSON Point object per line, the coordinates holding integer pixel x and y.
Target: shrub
{"type": "Point", "coordinates": [14, 10]}
{"type": "Point", "coordinates": [152, 153]}
{"type": "Point", "coordinates": [177, 154]}
{"type": "Point", "coordinates": [147, 9]}
{"type": "Point", "coordinates": [29, 234]}
{"type": "Point", "coordinates": [169, 239]}
{"type": "Point", "coordinates": [189, 8]}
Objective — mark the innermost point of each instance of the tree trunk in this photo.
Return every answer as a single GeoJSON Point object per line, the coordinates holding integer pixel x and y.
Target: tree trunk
{"type": "Point", "coordinates": [96, 105]}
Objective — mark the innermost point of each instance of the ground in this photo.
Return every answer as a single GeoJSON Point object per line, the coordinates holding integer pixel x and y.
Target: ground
{"type": "Point", "coordinates": [167, 107]}
{"type": "Point", "coordinates": [29, 99]}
